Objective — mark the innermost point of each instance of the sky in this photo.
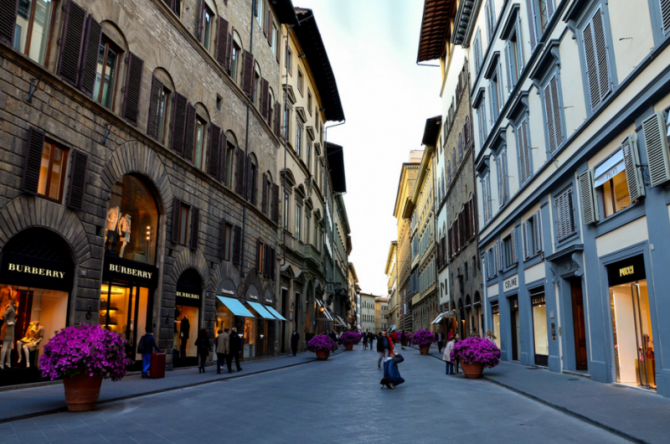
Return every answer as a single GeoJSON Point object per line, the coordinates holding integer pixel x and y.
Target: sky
{"type": "Point", "coordinates": [372, 46]}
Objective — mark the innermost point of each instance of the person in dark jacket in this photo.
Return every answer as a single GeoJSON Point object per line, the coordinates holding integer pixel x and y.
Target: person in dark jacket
{"type": "Point", "coordinates": [204, 347]}
{"type": "Point", "coordinates": [184, 329]}
{"type": "Point", "coordinates": [371, 339]}
{"type": "Point", "coordinates": [391, 373]}
{"type": "Point", "coordinates": [403, 339]}
{"type": "Point", "coordinates": [295, 339]}
{"type": "Point", "coordinates": [439, 338]}
{"type": "Point", "coordinates": [234, 351]}
{"type": "Point", "coordinates": [384, 347]}
{"type": "Point", "coordinates": [145, 347]}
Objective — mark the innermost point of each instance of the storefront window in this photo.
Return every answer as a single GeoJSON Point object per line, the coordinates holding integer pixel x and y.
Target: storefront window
{"type": "Point", "coordinates": [250, 326]}
{"type": "Point", "coordinates": [612, 185]}
{"type": "Point", "coordinates": [123, 309]}
{"type": "Point", "coordinates": [496, 323]}
{"type": "Point", "coordinates": [187, 318]}
{"type": "Point", "coordinates": [540, 335]}
{"type": "Point", "coordinates": [132, 221]}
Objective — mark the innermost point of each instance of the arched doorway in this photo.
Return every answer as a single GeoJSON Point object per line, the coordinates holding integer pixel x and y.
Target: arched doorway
{"type": "Point", "coordinates": [129, 275]}
{"type": "Point", "coordinates": [36, 278]}
{"type": "Point", "coordinates": [188, 302]}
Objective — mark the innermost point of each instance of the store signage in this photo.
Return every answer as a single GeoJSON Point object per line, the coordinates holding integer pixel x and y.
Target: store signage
{"type": "Point", "coordinates": [511, 283]}
{"type": "Point", "coordinates": [17, 269]}
{"type": "Point", "coordinates": [627, 270]}
{"type": "Point", "coordinates": [183, 294]}
{"type": "Point", "coordinates": [119, 269]}
{"type": "Point", "coordinates": [227, 288]}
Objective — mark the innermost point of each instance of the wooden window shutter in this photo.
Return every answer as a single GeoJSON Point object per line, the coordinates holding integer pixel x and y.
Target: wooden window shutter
{"type": "Point", "coordinates": [265, 98]}
{"type": "Point", "coordinates": [237, 245]}
{"type": "Point", "coordinates": [537, 231]}
{"type": "Point", "coordinates": [189, 133]}
{"type": "Point", "coordinates": [549, 109]}
{"type": "Point", "coordinates": [259, 246]}
{"type": "Point", "coordinates": [199, 18]}
{"type": "Point", "coordinates": [656, 144]}
{"type": "Point", "coordinates": [195, 228]}
{"type": "Point", "coordinates": [77, 185]}
{"type": "Point", "coordinates": [222, 239]}
{"type": "Point", "coordinates": [153, 124]}
{"type": "Point", "coordinates": [526, 235]}
{"type": "Point", "coordinates": [239, 173]}
{"type": "Point", "coordinates": [558, 123]}
{"type": "Point", "coordinates": [509, 70]}
{"type": "Point", "coordinates": [213, 163]}
{"type": "Point", "coordinates": [247, 72]}
{"type": "Point", "coordinates": [222, 41]}
{"type": "Point", "coordinates": [597, 66]}
{"type": "Point", "coordinates": [513, 245]}
{"type": "Point", "coordinates": [32, 161]}
{"type": "Point", "coordinates": [665, 14]}
{"type": "Point", "coordinates": [179, 106]}
{"type": "Point", "coordinates": [264, 21]}
{"type": "Point", "coordinates": [501, 255]}
{"type": "Point", "coordinates": [223, 148]}
{"type": "Point", "coordinates": [275, 207]}
{"type": "Point", "coordinates": [277, 117]}
{"type": "Point", "coordinates": [631, 158]}
{"type": "Point", "coordinates": [264, 197]}
{"type": "Point", "coordinates": [249, 179]}
{"type": "Point", "coordinates": [90, 56]}
{"type": "Point", "coordinates": [133, 88]}
{"type": "Point", "coordinates": [174, 233]}
{"type": "Point", "coordinates": [531, 24]}
{"type": "Point", "coordinates": [8, 14]}
{"type": "Point", "coordinates": [73, 33]}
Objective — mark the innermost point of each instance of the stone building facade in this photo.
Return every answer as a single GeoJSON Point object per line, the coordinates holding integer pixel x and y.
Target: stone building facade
{"type": "Point", "coordinates": [150, 181]}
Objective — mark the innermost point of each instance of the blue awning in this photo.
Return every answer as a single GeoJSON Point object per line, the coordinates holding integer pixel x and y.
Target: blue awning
{"type": "Point", "coordinates": [236, 307]}
{"type": "Point", "coordinates": [275, 313]}
{"type": "Point", "coordinates": [261, 310]}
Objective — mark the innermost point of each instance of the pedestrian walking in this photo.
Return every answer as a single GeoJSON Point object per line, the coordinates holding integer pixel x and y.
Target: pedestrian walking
{"type": "Point", "coordinates": [365, 341]}
{"type": "Point", "coordinates": [440, 341]}
{"type": "Point", "coordinates": [391, 372]}
{"type": "Point", "coordinates": [447, 356]}
{"type": "Point", "coordinates": [147, 345]}
{"type": "Point", "coordinates": [384, 347]}
{"type": "Point", "coordinates": [371, 339]}
{"type": "Point", "coordinates": [204, 347]}
{"type": "Point", "coordinates": [222, 347]}
{"type": "Point", "coordinates": [457, 338]}
{"type": "Point", "coordinates": [295, 339]}
{"type": "Point", "coordinates": [234, 351]}
{"type": "Point", "coordinates": [403, 339]}
{"type": "Point", "coordinates": [394, 336]}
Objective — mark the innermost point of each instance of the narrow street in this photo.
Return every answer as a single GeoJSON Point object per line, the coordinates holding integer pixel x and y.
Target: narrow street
{"type": "Point", "coordinates": [338, 401]}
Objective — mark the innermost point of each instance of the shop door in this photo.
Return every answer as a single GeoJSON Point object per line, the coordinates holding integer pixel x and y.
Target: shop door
{"type": "Point", "coordinates": [125, 310]}
{"type": "Point", "coordinates": [516, 328]}
{"type": "Point", "coordinates": [633, 339]}
{"type": "Point", "coordinates": [579, 325]}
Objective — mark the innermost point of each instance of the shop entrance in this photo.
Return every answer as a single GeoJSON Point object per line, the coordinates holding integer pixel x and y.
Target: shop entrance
{"type": "Point", "coordinates": [495, 317]}
{"type": "Point", "coordinates": [631, 325]}
{"type": "Point", "coordinates": [187, 319]}
{"type": "Point", "coordinates": [540, 334]}
{"type": "Point", "coordinates": [578, 324]}
{"type": "Point", "coordinates": [516, 327]}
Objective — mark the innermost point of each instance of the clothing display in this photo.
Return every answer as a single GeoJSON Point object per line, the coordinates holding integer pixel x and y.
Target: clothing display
{"type": "Point", "coordinates": [7, 333]}
{"type": "Point", "coordinates": [112, 235]}
{"type": "Point", "coordinates": [124, 232]}
{"type": "Point", "coordinates": [31, 341]}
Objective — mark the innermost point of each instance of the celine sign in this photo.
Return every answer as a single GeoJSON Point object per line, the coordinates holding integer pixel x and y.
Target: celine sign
{"type": "Point", "coordinates": [511, 283]}
{"type": "Point", "coordinates": [627, 270]}
{"type": "Point", "coordinates": [17, 269]}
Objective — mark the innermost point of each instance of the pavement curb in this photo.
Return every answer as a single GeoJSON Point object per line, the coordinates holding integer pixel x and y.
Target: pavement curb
{"type": "Point", "coordinates": [156, 392]}
{"type": "Point", "coordinates": [560, 408]}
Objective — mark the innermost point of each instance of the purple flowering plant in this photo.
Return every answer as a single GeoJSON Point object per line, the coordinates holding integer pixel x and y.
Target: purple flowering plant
{"type": "Point", "coordinates": [321, 343]}
{"type": "Point", "coordinates": [85, 349]}
{"type": "Point", "coordinates": [423, 337]}
{"type": "Point", "coordinates": [350, 337]}
{"type": "Point", "coordinates": [476, 349]}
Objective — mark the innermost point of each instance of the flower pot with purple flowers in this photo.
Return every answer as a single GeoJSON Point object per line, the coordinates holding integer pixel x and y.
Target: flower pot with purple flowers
{"type": "Point", "coordinates": [423, 338]}
{"type": "Point", "coordinates": [475, 354]}
{"type": "Point", "coordinates": [322, 345]}
{"type": "Point", "coordinates": [349, 338]}
{"type": "Point", "coordinates": [83, 356]}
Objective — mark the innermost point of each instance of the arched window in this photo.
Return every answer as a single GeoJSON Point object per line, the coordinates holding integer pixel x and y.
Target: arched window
{"type": "Point", "coordinates": [229, 170]}
{"type": "Point", "coordinates": [460, 147]}
{"type": "Point", "coordinates": [110, 56]}
{"type": "Point", "coordinates": [235, 58]}
{"type": "Point", "coordinates": [257, 94]}
{"type": "Point", "coordinates": [162, 89]}
{"type": "Point", "coordinates": [271, 110]}
{"type": "Point", "coordinates": [206, 30]}
{"type": "Point", "coordinates": [199, 135]}
{"type": "Point", "coordinates": [466, 129]}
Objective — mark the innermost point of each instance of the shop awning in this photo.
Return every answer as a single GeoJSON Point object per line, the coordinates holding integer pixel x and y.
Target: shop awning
{"type": "Point", "coordinates": [437, 319]}
{"type": "Point", "coordinates": [444, 316]}
{"type": "Point", "coordinates": [236, 307]}
{"type": "Point", "coordinates": [275, 313]}
{"type": "Point", "coordinates": [262, 311]}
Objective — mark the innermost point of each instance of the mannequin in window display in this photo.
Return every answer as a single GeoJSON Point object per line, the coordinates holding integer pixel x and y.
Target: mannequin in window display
{"type": "Point", "coordinates": [7, 333]}
{"type": "Point", "coordinates": [184, 329]}
{"type": "Point", "coordinates": [6, 295]}
{"type": "Point", "coordinates": [31, 341]}
{"type": "Point", "coordinates": [124, 232]}
{"type": "Point", "coordinates": [112, 236]}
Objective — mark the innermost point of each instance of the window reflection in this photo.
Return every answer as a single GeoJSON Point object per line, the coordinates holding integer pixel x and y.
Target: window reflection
{"type": "Point", "coordinates": [31, 33]}
{"type": "Point", "coordinates": [103, 91]}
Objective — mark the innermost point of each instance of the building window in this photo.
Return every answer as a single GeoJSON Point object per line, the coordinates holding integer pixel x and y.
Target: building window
{"type": "Point", "coordinates": [308, 227]}
{"type": "Point", "coordinates": [496, 95]}
{"type": "Point", "coordinates": [565, 222]}
{"type": "Point", "coordinates": [256, 93]}
{"type": "Point", "coordinates": [206, 24]}
{"type": "Point", "coordinates": [309, 102]}
{"type": "Point", "coordinates": [481, 122]}
{"type": "Point", "coordinates": [508, 251]}
{"type": "Point", "coordinates": [289, 62]}
{"type": "Point", "coordinates": [183, 224]}
{"type": "Point", "coordinates": [514, 55]}
{"type": "Point", "coordinates": [287, 199]}
{"type": "Point", "coordinates": [199, 159]}
{"type": "Point", "coordinates": [553, 114]}
{"type": "Point", "coordinates": [298, 220]}
{"type": "Point", "coordinates": [260, 257]}
{"type": "Point", "coordinates": [542, 13]}
{"type": "Point", "coordinates": [105, 79]}
{"type": "Point", "coordinates": [274, 40]}
{"type": "Point", "coordinates": [486, 195]}
{"type": "Point", "coordinates": [52, 171]}
{"type": "Point", "coordinates": [227, 241]}
{"type": "Point", "coordinates": [532, 236]}
{"type": "Point", "coordinates": [491, 262]}
{"type": "Point", "coordinates": [309, 155]}
{"type": "Point", "coordinates": [301, 80]}
{"type": "Point", "coordinates": [477, 47]}
{"type": "Point", "coordinates": [298, 139]}
{"type": "Point", "coordinates": [230, 156]}
{"type": "Point", "coordinates": [501, 166]}
{"type": "Point", "coordinates": [234, 61]}
{"type": "Point", "coordinates": [161, 110]}
{"type": "Point", "coordinates": [611, 184]}
{"type": "Point", "coordinates": [259, 11]}
{"type": "Point", "coordinates": [287, 122]}
{"type": "Point", "coordinates": [525, 157]}
{"type": "Point", "coordinates": [598, 75]}
{"type": "Point", "coordinates": [33, 27]}
{"type": "Point", "coordinates": [253, 180]}
{"type": "Point", "coordinates": [490, 19]}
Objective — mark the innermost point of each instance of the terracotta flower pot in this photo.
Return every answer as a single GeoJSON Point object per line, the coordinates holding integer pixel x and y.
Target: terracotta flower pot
{"type": "Point", "coordinates": [82, 392]}
{"type": "Point", "coordinates": [424, 349]}
{"type": "Point", "coordinates": [322, 355]}
{"type": "Point", "coordinates": [473, 370]}
{"type": "Point", "coordinates": [349, 346]}
{"type": "Point", "coordinates": [357, 342]}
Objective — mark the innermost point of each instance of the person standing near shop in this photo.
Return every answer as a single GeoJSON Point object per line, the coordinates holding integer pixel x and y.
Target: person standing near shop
{"type": "Point", "coordinates": [440, 341]}
{"type": "Point", "coordinates": [384, 347]}
{"type": "Point", "coordinates": [222, 346]}
{"type": "Point", "coordinates": [204, 347]}
{"type": "Point", "coordinates": [295, 339]}
{"type": "Point", "coordinates": [147, 345]}
{"type": "Point", "coordinates": [457, 337]}
{"type": "Point", "coordinates": [403, 340]}
{"type": "Point", "coordinates": [446, 357]}
{"type": "Point", "coordinates": [234, 351]}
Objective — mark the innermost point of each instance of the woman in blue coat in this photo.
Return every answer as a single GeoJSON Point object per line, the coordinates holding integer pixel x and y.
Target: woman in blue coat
{"type": "Point", "coordinates": [391, 373]}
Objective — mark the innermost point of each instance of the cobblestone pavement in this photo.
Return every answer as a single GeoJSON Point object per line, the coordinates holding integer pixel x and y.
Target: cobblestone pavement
{"type": "Point", "coordinates": [338, 401]}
